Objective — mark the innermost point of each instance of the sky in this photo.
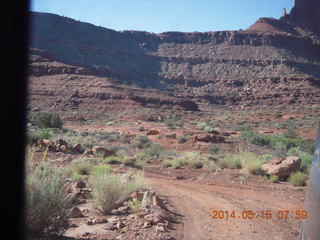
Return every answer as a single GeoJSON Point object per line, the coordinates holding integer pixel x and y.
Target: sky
{"type": "Point", "coordinates": [166, 15]}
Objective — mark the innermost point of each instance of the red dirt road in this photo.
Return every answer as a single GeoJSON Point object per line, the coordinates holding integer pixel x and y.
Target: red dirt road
{"type": "Point", "coordinates": [194, 201]}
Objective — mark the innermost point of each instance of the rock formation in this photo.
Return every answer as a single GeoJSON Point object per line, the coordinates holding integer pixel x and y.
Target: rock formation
{"type": "Point", "coordinates": [273, 62]}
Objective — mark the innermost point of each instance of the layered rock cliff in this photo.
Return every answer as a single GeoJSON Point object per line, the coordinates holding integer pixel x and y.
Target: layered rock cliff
{"type": "Point", "coordinates": [273, 62]}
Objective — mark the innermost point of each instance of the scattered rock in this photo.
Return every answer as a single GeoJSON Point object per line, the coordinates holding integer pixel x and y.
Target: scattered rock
{"type": "Point", "coordinates": [99, 221]}
{"type": "Point", "coordinates": [153, 219]}
{"type": "Point", "coordinates": [88, 152]}
{"type": "Point", "coordinates": [147, 224]}
{"type": "Point", "coordinates": [146, 199]}
{"type": "Point", "coordinates": [210, 138]}
{"type": "Point", "coordinates": [110, 226]}
{"type": "Point", "coordinates": [153, 132]}
{"type": "Point", "coordinates": [75, 213]}
{"type": "Point", "coordinates": [90, 222]}
{"type": "Point", "coordinates": [160, 229]}
{"type": "Point", "coordinates": [61, 142]}
{"type": "Point", "coordinates": [64, 148]}
{"type": "Point", "coordinates": [76, 148]}
{"type": "Point", "coordinates": [120, 225]}
{"type": "Point", "coordinates": [124, 208]}
{"type": "Point", "coordinates": [282, 167]}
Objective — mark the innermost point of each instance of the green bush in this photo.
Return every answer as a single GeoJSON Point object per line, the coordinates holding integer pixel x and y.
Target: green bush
{"type": "Point", "coordinates": [154, 150]}
{"type": "Point", "coordinates": [100, 170]}
{"type": "Point", "coordinates": [278, 142]}
{"type": "Point", "coordinates": [82, 167]}
{"type": "Point", "coordinates": [48, 120]}
{"type": "Point", "coordinates": [290, 133]}
{"type": "Point", "coordinates": [177, 163]}
{"type": "Point", "coordinates": [306, 160]}
{"type": "Point", "coordinates": [112, 160]}
{"type": "Point", "coordinates": [214, 150]}
{"type": "Point", "coordinates": [274, 178]}
{"type": "Point", "coordinates": [230, 161]}
{"type": "Point", "coordinates": [109, 189]}
{"type": "Point", "coordinates": [182, 139]}
{"type": "Point", "coordinates": [47, 203]}
{"type": "Point", "coordinates": [173, 123]}
{"type": "Point", "coordinates": [135, 205]}
{"type": "Point", "coordinates": [213, 167]}
{"type": "Point", "coordinates": [142, 142]}
{"type": "Point", "coordinates": [202, 125]}
{"type": "Point", "coordinates": [196, 164]}
{"type": "Point", "coordinates": [298, 178]}
{"type": "Point", "coordinates": [33, 137]}
{"type": "Point", "coordinates": [167, 163]}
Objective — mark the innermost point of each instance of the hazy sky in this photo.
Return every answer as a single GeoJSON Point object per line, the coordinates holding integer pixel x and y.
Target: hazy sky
{"type": "Point", "coordinates": [166, 15]}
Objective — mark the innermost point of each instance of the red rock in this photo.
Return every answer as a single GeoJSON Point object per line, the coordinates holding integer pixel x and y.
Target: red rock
{"type": "Point", "coordinates": [282, 167]}
{"type": "Point", "coordinates": [75, 213]}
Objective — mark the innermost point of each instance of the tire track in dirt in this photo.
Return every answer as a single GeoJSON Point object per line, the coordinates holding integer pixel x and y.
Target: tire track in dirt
{"type": "Point", "coordinates": [194, 200]}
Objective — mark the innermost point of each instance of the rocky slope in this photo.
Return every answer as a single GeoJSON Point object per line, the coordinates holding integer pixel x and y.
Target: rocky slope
{"type": "Point", "coordinates": [273, 62]}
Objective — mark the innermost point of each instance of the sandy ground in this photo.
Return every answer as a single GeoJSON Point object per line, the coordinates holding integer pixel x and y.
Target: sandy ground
{"type": "Point", "coordinates": [194, 201]}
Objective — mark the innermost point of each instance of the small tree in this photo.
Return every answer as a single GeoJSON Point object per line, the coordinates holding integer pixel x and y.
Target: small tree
{"type": "Point", "coordinates": [48, 120]}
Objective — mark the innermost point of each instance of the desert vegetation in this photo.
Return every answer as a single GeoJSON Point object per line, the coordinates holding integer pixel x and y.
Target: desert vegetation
{"type": "Point", "coordinates": [111, 163]}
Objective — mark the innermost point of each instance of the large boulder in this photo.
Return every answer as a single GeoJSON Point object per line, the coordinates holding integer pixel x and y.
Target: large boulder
{"type": "Point", "coordinates": [282, 167]}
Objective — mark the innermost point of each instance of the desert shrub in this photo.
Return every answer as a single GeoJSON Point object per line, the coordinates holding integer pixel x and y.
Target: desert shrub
{"type": "Point", "coordinates": [209, 129]}
{"type": "Point", "coordinates": [167, 163]}
{"type": "Point", "coordinates": [77, 177]}
{"type": "Point", "coordinates": [82, 167]}
{"type": "Point", "coordinates": [135, 205]}
{"type": "Point", "coordinates": [173, 123]}
{"type": "Point", "coordinates": [177, 163]}
{"type": "Point", "coordinates": [128, 162]}
{"type": "Point", "coordinates": [230, 161]}
{"type": "Point", "coordinates": [33, 137]}
{"type": "Point", "coordinates": [290, 133]}
{"type": "Point", "coordinates": [298, 178]}
{"type": "Point", "coordinates": [278, 141]}
{"type": "Point", "coordinates": [112, 160]}
{"type": "Point", "coordinates": [274, 178]}
{"type": "Point", "coordinates": [182, 139]}
{"type": "Point", "coordinates": [196, 164]}
{"type": "Point", "coordinates": [47, 203]}
{"type": "Point", "coordinates": [169, 154]}
{"type": "Point", "coordinates": [108, 136]}
{"type": "Point", "coordinates": [110, 123]}
{"type": "Point", "coordinates": [253, 162]}
{"type": "Point", "coordinates": [100, 170]}
{"type": "Point", "coordinates": [142, 142]}
{"type": "Point", "coordinates": [154, 150]}
{"type": "Point", "coordinates": [214, 150]}
{"type": "Point", "coordinates": [213, 167]}
{"type": "Point", "coordinates": [306, 160]}
{"type": "Point", "coordinates": [109, 189]}
{"type": "Point", "coordinates": [48, 120]}
{"type": "Point", "coordinates": [141, 155]}
{"type": "Point", "coordinates": [202, 125]}
{"type": "Point", "coordinates": [254, 166]}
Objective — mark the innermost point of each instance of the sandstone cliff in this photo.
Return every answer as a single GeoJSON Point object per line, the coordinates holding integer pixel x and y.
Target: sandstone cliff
{"type": "Point", "coordinates": [272, 62]}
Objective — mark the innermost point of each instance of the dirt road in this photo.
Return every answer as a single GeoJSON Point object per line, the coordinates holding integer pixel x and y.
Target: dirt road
{"type": "Point", "coordinates": [194, 201]}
